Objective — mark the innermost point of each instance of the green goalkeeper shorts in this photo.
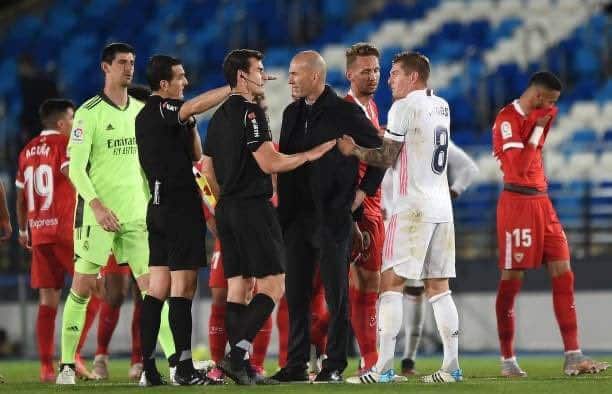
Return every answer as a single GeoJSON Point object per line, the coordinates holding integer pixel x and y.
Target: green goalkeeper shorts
{"type": "Point", "coordinates": [93, 246]}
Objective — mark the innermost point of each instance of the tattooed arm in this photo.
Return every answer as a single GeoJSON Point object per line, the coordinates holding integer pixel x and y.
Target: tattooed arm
{"type": "Point", "coordinates": [383, 157]}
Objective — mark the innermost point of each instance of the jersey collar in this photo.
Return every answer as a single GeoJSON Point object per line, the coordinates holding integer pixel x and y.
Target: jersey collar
{"type": "Point", "coordinates": [517, 107]}
{"type": "Point", "coordinates": [108, 101]}
{"type": "Point", "coordinates": [48, 132]}
{"type": "Point", "coordinates": [421, 92]}
{"type": "Point", "coordinates": [350, 93]}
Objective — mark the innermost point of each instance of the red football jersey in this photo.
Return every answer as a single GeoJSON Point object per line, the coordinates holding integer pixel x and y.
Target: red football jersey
{"type": "Point", "coordinates": [371, 204]}
{"type": "Point", "coordinates": [512, 129]}
{"type": "Point", "coordinates": [49, 195]}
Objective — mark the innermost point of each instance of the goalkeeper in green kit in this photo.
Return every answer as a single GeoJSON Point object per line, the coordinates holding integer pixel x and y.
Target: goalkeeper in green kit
{"type": "Point", "coordinates": [112, 199]}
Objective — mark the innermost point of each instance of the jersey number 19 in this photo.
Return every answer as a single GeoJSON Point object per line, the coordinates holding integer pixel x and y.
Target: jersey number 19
{"type": "Point", "coordinates": [39, 180]}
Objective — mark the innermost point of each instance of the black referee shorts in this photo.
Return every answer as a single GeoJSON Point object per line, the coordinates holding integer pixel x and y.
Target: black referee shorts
{"type": "Point", "coordinates": [251, 239]}
{"type": "Point", "coordinates": [177, 232]}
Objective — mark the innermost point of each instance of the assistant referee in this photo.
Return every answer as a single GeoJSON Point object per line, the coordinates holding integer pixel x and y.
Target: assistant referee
{"type": "Point", "coordinates": [238, 159]}
{"type": "Point", "coordinates": [168, 145]}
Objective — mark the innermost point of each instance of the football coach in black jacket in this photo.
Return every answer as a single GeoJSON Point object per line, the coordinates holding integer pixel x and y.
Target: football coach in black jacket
{"type": "Point", "coordinates": [315, 211]}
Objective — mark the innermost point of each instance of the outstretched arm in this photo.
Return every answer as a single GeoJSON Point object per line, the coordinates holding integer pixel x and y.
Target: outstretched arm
{"type": "Point", "coordinates": [383, 157]}
{"type": "Point", "coordinates": [203, 102]}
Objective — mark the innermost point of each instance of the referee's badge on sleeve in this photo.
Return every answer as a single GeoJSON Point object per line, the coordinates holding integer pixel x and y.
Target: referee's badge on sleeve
{"type": "Point", "coordinates": [506, 130]}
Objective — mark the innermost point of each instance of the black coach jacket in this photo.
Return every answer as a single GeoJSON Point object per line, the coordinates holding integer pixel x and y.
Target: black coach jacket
{"type": "Point", "coordinates": [331, 180]}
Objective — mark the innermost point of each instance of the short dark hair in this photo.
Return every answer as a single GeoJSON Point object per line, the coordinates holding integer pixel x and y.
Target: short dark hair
{"type": "Point", "coordinates": [547, 80]}
{"type": "Point", "coordinates": [159, 69]}
{"type": "Point", "coordinates": [111, 50]}
{"type": "Point", "coordinates": [414, 61]}
{"type": "Point", "coordinates": [52, 109]}
{"type": "Point", "coordinates": [238, 59]}
{"type": "Point", "coordinates": [139, 92]}
{"type": "Point", "coordinates": [360, 49]}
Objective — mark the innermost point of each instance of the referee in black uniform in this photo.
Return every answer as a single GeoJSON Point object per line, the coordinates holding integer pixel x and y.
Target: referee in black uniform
{"type": "Point", "coordinates": [168, 144]}
{"type": "Point", "coordinates": [239, 158]}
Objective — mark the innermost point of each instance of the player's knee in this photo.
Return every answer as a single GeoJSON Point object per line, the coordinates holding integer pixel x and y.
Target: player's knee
{"type": "Point", "coordinates": [433, 287]}
{"type": "Point", "coordinates": [83, 285]}
{"type": "Point", "coordinates": [50, 297]}
{"type": "Point", "coordinates": [273, 286]}
{"type": "Point", "coordinates": [114, 297]}
{"type": "Point", "coordinates": [368, 281]}
{"type": "Point", "coordinates": [556, 268]}
{"type": "Point", "coordinates": [218, 295]}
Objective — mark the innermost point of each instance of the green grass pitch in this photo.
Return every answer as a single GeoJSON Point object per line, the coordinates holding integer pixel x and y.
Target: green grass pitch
{"type": "Point", "coordinates": [481, 376]}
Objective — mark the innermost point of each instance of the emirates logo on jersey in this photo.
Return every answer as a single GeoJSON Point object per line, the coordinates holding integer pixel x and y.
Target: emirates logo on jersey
{"type": "Point", "coordinates": [518, 256]}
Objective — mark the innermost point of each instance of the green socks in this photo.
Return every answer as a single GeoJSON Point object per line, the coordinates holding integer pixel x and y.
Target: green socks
{"type": "Point", "coordinates": [72, 324]}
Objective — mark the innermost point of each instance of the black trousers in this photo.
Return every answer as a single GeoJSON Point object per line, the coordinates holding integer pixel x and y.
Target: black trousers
{"type": "Point", "coordinates": [306, 247]}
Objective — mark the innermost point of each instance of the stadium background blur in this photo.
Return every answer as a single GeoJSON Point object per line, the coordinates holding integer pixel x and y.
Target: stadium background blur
{"type": "Point", "coordinates": [482, 53]}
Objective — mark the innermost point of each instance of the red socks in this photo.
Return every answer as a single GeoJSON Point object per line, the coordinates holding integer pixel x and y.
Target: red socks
{"type": "Point", "coordinates": [504, 308]}
{"type": "Point", "coordinates": [109, 316]}
{"type": "Point", "coordinates": [217, 336]}
{"type": "Point", "coordinates": [319, 321]}
{"type": "Point", "coordinates": [45, 333]}
{"type": "Point", "coordinates": [260, 344]}
{"type": "Point", "coordinates": [363, 320]}
{"type": "Point", "coordinates": [282, 322]}
{"type": "Point", "coordinates": [136, 344]}
{"type": "Point", "coordinates": [565, 309]}
{"type": "Point", "coordinates": [92, 310]}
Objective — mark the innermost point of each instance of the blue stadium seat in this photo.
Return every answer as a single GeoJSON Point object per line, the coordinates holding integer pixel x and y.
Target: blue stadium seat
{"type": "Point", "coordinates": [584, 138]}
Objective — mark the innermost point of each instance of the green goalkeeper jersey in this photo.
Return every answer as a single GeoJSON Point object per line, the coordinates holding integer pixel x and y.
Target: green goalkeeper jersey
{"type": "Point", "coordinates": [104, 160]}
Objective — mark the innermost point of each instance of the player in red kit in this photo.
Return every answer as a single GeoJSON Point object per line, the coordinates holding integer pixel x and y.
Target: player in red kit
{"type": "Point", "coordinates": [528, 230]}
{"type": "Point", "coordinates": [363, 72]}
{"type": "Point", "coordinates": [45, 211]}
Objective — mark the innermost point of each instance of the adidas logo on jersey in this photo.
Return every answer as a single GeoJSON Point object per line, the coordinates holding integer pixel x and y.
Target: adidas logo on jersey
{"type": "Point", "coordinates": [109, 127]}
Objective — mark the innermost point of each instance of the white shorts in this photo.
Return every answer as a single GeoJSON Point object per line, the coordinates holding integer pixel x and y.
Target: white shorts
{"type": "Point", "coordinates": [418, 250]}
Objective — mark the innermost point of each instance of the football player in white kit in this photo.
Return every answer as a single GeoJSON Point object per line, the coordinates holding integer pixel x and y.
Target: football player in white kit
{"type": "Point", "coordinates": [419, 233]}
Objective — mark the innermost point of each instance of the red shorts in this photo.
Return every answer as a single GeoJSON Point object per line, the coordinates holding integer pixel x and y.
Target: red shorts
{"type": "Point", "coordinates": [112, 267]}
{"type": "Point", "coordinates": [528, 232]}
{"type": "Point", "coordinates": [373, 229]}
{"type": "Point", "coordinates": [50, 264]}
{"type": "Point", "coordinates": [217, 276]}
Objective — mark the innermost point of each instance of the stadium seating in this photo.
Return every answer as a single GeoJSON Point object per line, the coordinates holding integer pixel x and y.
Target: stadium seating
{"type": "Point", "coordinates": [482, 53]}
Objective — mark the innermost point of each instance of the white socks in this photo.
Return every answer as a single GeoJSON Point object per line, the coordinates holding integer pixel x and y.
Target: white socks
{"type": "Point", "coordinates": [447, 320]}
{"type": "Point", "coordinates": [389, 325]}
{"type": "Point", "coordinates": [414, 319]}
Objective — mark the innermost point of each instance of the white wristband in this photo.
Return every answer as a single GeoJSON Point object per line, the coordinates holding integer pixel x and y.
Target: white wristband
{"type": "Point", "coordinates": [536, 135]}
{"type": "Point", "coordinates": [23, 233]}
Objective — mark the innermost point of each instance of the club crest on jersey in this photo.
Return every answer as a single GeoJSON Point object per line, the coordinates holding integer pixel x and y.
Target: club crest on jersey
{"type": "Point", "coordinates": [518, 256]}
{"type": "Point", "coordinates": [506, 130]}
{"type": "Point", "coordinates": [77, 135]}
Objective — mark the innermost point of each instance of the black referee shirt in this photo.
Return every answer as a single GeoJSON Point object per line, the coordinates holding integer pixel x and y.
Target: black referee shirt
{"type": "Point", "coordinates": [165, 146]}
{"type": "Point", "coordinates": [237, 129]}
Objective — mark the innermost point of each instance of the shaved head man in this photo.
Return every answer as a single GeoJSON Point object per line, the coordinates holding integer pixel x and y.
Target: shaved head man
{"type": "Point", "coordinates": [307, 73]}
{"type": "Point", "coordinates": [315, 212]}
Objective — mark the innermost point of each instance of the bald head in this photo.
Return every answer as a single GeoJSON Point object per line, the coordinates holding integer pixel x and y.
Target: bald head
{"type": "Point", "coordinates": [313, 61]}
{"type": "Point", "coordinates": [307, 73]}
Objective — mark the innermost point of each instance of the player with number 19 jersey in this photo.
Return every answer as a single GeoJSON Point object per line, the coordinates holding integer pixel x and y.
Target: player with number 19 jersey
{"type": "Point", "coordinates": [50, 200]}
{"type": "Point", "coordinates": [419, 239]}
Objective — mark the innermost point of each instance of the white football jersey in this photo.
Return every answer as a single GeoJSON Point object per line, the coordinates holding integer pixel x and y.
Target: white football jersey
{"type": "Point", "coordinates": [418, 181]}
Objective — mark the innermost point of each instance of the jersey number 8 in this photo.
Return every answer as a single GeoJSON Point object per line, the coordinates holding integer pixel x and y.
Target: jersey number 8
{"type": "Point", "coordinates": [440, 154]}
